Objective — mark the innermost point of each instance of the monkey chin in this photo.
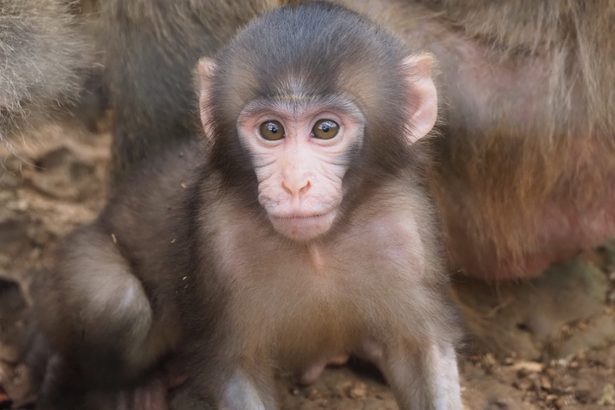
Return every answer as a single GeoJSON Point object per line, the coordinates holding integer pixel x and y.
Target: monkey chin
{"type": "Point", "coordinates": [303, 227]}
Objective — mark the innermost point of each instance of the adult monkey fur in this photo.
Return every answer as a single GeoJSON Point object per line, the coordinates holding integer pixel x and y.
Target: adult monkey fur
{"type": "Point", "coordinates": [46, 58]}
{"type": "Point", "coordinates": [301, 232]}
{"type": "Point", "coordinates": [526, 160]}
{"type": "Point", "coordinates": [527, 157]}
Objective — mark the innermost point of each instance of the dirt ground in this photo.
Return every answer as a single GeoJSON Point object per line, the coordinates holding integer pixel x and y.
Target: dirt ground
{"type": "Point", "coordinates": [542, 344]}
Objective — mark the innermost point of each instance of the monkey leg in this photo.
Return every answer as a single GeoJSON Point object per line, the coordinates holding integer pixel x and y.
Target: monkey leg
{"type": "Point", "coordinates": [61, 393]}
{"type": "Point", "coordinates": [227, 386]}
{"type": "Point", "coordinates": [524, 245]}
{"type": "Point", "coordinates": [248, 390]}
{"type": "Point", "coordinates": [421, 376]}
{"type": "Point", "coordinates": [96, 311]}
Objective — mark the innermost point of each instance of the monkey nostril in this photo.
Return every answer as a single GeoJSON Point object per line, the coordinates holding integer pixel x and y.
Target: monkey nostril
{"type": "Point", "coordinates": [305, 187]}
{"type": "Point", "coordinates": [287, 188]}
{"type": "Point", "coordinates": [296, 189]}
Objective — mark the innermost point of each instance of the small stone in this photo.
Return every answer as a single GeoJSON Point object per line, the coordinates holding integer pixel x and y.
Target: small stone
{"type": "Point", "coordinates": [607, 397]}
{"type": "Point", "coordinates": [533, 377]}
{"type": "Point", "coordinates": [562, 402]}
{"type": "Point", "coordinates": [545, 383]}
{"type": "Point", "coordinates": [522, 384]}
{"type": "Point", "coordinates": [314, 394]}
{"type": "Point", "coordinates": [562, 362]}
{"type": "Point", "coordinates": [489, 360]}
{"type": "Point", "coordinates": [497, 404]}
{"type": "Point", "coordinates": [358, 391]}
{"type": "Point", "coordinates": [528, 367]}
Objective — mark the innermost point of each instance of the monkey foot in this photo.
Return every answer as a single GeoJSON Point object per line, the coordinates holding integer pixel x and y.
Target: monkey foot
{"type": "Point", "coordinates": [154, 393]}
{"type": "Point", "coordinates": [151, 395]}
{"type": "Point", "coordinates": [311, 374]}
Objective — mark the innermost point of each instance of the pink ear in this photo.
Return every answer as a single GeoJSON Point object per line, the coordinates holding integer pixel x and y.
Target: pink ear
{"type": "Point", "coordinates": [422, 95]}
{"type": "Point", "coordinates": [205, 72]}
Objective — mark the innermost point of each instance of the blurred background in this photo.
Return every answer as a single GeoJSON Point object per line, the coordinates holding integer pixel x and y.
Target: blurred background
{"type": "Point", "coordinates": [524, 173]}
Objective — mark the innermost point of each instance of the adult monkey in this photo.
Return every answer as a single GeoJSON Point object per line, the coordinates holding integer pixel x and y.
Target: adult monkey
{"type": "Point", "coordinates": [527, 158]}
{"type": "Point", "coordinates": [527, 172]}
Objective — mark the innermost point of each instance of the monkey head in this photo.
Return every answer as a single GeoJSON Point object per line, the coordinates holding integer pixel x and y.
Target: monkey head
{"type": "Point", "coordinates": [302, 112]}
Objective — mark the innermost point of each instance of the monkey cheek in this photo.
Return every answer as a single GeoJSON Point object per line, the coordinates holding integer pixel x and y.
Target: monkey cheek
{"type": "Point", "coordinates": [303, 229]}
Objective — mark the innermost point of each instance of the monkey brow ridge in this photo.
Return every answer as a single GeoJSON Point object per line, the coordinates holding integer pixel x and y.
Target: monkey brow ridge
{"type": "Point", "coordinates": [303, 102]}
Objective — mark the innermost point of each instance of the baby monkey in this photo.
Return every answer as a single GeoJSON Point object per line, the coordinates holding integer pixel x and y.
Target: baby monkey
{"type": "Point", "coordinates": [298, 233]}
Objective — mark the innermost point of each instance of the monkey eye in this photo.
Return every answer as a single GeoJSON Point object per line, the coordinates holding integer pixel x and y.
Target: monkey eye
{"type": "Point", "coordinates": [271, 130]}
{"type": "Point", "coordinates": [325, 129]}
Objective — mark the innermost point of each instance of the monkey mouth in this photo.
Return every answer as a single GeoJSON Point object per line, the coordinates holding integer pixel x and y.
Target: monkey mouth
{"type": "Point", "coordinates": [299, 216]}
{"type": "Point", "coordinates": [301, 226]}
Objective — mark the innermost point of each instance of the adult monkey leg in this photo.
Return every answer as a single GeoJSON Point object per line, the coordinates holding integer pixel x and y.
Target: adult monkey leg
{"type": "Point", "coordinates": [526, 174]}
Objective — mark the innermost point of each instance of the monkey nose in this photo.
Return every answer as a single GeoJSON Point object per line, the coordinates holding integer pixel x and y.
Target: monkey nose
{"type": "Point", "coordinates": [296, 188]}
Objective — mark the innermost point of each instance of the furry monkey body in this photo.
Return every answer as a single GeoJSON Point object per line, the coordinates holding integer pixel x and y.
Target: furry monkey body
{"type": "Point", "coordinates": [301, 232]}
{"type": "Point", "coordinates": [340, 296]}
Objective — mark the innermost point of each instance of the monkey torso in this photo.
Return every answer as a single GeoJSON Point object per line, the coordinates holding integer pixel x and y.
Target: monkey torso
{"type": "Point", "coordinates": [299, 302]}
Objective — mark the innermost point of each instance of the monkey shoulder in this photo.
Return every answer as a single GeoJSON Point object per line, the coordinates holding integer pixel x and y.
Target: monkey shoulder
{"type": "Point", "coordinates": [398, 221]}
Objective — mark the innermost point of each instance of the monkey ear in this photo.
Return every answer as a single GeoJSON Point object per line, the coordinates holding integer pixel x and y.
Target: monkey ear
{"type": "Point", "coordinates": [422, 95]}
{"type": "Point", "coordinates": [205, 72]}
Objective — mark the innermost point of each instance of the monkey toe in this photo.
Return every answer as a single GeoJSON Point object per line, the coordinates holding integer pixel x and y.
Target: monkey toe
{"type": "Point", "coordinates": [313, 372]}
{"type": "Point", "coordinates": [151, 395]}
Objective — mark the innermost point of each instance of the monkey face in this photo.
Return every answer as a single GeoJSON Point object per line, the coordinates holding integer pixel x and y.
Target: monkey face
{"type": "Point", "coordinates": [300, 153]}
{"type": "Point", "coordinates": [300, 129]}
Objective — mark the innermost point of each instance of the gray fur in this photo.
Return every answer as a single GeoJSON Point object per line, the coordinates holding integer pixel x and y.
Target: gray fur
{"type": "Point", "coordinates": [45, 57]}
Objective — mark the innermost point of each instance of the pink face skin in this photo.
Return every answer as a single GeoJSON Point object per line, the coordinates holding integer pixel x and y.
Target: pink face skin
{"type": "Point", "coordinates": [300, 176]}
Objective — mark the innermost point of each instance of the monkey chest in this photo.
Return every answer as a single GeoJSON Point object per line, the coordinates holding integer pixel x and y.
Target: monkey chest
{"type": "Point", "coordinates": [317, 299]}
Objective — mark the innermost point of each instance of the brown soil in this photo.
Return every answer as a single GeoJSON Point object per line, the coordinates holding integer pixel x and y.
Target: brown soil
{"type": "Point", "coordinates": [543, 344]}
